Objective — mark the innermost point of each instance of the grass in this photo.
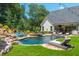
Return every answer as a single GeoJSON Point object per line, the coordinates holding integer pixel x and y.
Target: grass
{"type": "Point", "coordinates": [20, 50]}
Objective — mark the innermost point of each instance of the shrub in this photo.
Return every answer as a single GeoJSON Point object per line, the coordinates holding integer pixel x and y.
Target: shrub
{"type": "Point", "coordinates": [27, 31]}
{"type": "Point", "coordinates": [1, 25]}
{"type": "Point", "coordinates": [5, 27]}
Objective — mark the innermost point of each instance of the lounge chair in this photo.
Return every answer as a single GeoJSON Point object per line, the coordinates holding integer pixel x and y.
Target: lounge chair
{"type": "Point", "coordinates": [64, 45]}
{"type": "Point", "coordinates": [57, 44]}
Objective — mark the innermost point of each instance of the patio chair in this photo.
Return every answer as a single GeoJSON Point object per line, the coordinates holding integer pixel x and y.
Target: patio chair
{"type": "Point", "coordinates": [66, 43]}
{"type": "Point", "coordinates": [58, 44]}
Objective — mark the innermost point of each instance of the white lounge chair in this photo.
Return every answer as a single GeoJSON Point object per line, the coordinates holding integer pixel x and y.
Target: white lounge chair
{"type": "Point", "coordinates": [58, 44]}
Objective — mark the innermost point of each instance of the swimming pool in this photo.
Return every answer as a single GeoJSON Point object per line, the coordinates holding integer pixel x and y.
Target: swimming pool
{"type": "Point", "coordinates": [37, 40]}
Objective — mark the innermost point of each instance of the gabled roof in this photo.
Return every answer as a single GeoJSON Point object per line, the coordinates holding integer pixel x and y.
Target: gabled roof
{"type": "Point", "coordinates": [64, 16]}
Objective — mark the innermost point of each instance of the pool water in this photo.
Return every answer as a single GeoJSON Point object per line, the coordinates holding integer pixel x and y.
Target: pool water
{"type": "Point", "coordinates": [37, 40]}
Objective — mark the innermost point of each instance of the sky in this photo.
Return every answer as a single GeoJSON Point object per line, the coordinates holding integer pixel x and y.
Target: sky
{"type": "Point", "coordinates": [52, 6]}
{"type": "Point", "coordinates": [55, 6]}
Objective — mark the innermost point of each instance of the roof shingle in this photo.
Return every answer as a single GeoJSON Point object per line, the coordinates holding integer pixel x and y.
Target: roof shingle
{"type": "Point", "coordinates": [64, 16]}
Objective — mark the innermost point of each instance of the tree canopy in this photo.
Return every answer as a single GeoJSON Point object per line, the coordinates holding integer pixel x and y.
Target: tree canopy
{"type": "Point", "coordinates": [13, 16]}
{"type": "Point", "coordinates": [37, 13]}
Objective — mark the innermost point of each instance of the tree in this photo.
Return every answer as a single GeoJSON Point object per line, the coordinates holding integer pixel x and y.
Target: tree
{"type": "Point", "coordinates": [12, 15]}
{"type": "Point", "coordinates": [37, 13]}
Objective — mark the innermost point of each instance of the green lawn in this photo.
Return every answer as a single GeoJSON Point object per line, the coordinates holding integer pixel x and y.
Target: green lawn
{"type": "Point", "coordinates": [19, 50]}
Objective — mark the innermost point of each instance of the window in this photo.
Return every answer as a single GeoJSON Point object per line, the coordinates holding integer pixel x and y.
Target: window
{"type": "Point", "coordinates": [50, 28]}
{"type": "Point", "coordinates": [42, 28]}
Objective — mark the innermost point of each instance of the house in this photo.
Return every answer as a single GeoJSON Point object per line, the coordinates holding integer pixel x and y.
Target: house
{"type": "Point", "coordinates": [64, 20]}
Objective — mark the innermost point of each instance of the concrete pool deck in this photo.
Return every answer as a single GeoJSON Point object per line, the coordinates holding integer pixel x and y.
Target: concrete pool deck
{"type": "Point", "coordinates": [52, 47]}
{"type": "Point", "coordinates": [20, 38]}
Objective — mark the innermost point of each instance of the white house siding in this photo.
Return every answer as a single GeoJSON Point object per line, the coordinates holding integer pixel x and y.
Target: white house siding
{"type": "Point", "coordinates": [46, 26]}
